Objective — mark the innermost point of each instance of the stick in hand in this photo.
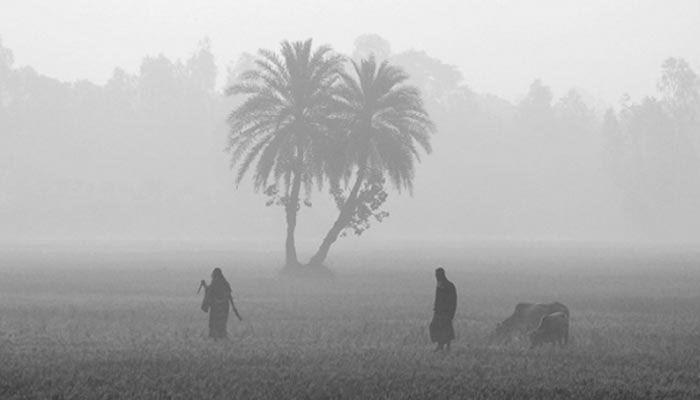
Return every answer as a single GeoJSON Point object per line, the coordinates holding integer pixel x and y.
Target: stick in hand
{"type": "Point", "coordinates": [202, 284]}
{"type": "Point", "coordinates": [235, 311]}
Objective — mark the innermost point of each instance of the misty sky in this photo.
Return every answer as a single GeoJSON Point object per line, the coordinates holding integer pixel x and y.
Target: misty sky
{"type": "Point", "coordinates": [604, 48]}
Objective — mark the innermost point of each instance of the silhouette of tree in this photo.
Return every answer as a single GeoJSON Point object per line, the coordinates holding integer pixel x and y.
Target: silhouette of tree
{"type": "Point", "coordinates": [161, 86]}
{"type": "Point", "coordinates": [680, 88]}
{"type": "Point", "coordinates": [201, 68]}
{"type": "Point", "coordinates": [6, 61]}
{"type": "Point", "coordinates": [535, 112]}
{"type": "Point", "coordinates": [245, 62]}
{"type": "Point", "coordinates": [371, 44]}
{"type": "Point", "coordinates": [614, 143]}
{"type": "Point", "coordinates": [6, 57]}
{"type": "Point", "coordinates": [575, 117]}
{"type": "Point", "coordinates": [121, 91]}
{"type": "Point", "coordinates": [386, 126]}
{"type": "Point", "coordinates": [656, 164]}
{"type": "Point", "coordinates": [282, 125]}
{"type": "Point", "coordinates": [431, 76]}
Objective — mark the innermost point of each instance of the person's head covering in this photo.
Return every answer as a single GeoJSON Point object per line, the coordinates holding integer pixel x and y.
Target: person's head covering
{"type": "Point", "coordinates": [440, 274]}
{"type": "Point", "coordinates": [218, 282]}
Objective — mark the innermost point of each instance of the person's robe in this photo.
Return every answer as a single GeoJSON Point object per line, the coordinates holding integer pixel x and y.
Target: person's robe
{"type": "Point", "coordinates": [216, 301]}
{"type": "Point", "coordinates": [441, 329]}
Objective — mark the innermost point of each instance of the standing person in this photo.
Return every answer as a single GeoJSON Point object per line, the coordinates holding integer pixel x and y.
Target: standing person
{"type": "Point", "coordinates": [216, 300]}
{"type": "Point", "coordinates": [441, 330]}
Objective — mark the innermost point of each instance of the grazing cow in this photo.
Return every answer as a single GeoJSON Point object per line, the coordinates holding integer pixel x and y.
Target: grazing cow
{"type": "Point", "coordinates": [524, 319]}
{"type": "Point", "coordinates": [553, 328]}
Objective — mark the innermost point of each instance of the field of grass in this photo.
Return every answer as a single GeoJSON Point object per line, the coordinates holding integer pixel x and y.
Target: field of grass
{"type": "Point", "coordinates": [109, 324]}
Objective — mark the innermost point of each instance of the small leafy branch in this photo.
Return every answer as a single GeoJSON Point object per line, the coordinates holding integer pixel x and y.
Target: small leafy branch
{"type": "Point", "coordinates": [275, 199]}
{"type": "Point", "coordinates": [368, 205]}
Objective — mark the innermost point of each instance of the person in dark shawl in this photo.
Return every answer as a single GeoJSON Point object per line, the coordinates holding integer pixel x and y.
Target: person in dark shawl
{"type": "Point", "coordinates": [217, 297]}
{"type": "Point", "coordinates": [441, 330]}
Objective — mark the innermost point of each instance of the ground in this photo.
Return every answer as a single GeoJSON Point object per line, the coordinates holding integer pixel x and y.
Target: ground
{"type": "Point", "coordinates": [125, 323]}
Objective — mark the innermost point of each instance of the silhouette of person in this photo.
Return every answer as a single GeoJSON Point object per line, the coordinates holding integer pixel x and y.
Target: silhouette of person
{"type": "Point", "coordinates": [441, 330]}
{"type": "Point", "coordinates": [216, 299]}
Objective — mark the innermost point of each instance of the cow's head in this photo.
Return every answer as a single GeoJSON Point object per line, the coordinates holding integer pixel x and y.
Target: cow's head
{"type": "Point", "coordinates": [501, 334]}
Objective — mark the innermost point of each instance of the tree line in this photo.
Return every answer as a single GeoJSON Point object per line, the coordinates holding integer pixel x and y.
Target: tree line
{"type": "Point", "coordinates": [152, 139]}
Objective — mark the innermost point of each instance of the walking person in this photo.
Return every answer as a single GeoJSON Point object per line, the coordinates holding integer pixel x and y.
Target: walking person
{"type": "Point", "coordinates": [217, 297]}
{"type": "Point", "coordinates": [441, 330]}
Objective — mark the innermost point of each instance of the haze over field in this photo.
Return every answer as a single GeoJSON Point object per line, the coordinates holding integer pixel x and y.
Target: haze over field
{"type": "Point", "coordinates": [394, 199]}
{"type": "Point", "coordinates": [525, 146]}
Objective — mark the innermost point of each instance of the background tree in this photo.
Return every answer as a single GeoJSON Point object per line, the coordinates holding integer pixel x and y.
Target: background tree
{"type": "Point", "coordinates": [574, 116]}
{"type": "Point", "coordinates": [384, 128]}
{"type": "Point", "coordinates": [657, 164]}
{"type": "Point", "coordinates": [6, 61]}
{"type": "Point", "coordinates": [201, 68]}
{"type": "Point", "coordinates": [536, 114]}
{"type": "Point", "coordinates": [234, 69]}
{"type": "Point", "coordinates": [680, 89]}
{"type": "Point", "coordinates": [371, 45]}
{"type": "Point", "coordinates": [282, 125]}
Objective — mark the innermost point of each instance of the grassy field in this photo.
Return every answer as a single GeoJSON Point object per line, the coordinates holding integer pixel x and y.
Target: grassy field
{"type": "Point", "coordinates": [121, 323]}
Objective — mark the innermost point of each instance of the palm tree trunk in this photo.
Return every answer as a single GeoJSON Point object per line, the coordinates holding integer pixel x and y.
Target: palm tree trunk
{"type": "Point", "coordinates": [341, 222]}
{"type": "Point", "coordinates": [291, 209]}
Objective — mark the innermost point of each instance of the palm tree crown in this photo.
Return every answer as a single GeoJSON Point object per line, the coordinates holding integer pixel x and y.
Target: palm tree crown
{"type": "Point", "coordinates": [280, 126]}
{"type": "Point", "coordinates": [386, 122]}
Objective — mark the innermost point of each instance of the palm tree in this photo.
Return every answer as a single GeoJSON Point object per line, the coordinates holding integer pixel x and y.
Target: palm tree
{"type": "Point", "coordinates": [280, 130]}
{"type": "Point", "coordinates": [386, 125]}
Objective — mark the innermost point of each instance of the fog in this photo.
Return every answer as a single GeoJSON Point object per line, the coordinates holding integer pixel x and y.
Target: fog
{"type": "Point", "coordinates": [268, 199]}
{"type": "Point", "coordinates": [559, 122]}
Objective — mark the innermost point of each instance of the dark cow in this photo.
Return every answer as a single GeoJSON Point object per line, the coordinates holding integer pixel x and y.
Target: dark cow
{"type": "Point", "coordinates": [553, 328]}
{"type": "Point", "coordinates": [524, 319]}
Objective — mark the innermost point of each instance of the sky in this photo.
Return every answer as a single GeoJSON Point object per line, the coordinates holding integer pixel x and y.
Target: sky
{"type": "Point", "coordinates": [601, 47]}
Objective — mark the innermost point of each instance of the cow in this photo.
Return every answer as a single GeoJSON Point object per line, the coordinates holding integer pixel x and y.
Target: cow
{"type": "Point", "coordinates": [524, 319]}
{"type": "Point", "coordinates": [553, 328]}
